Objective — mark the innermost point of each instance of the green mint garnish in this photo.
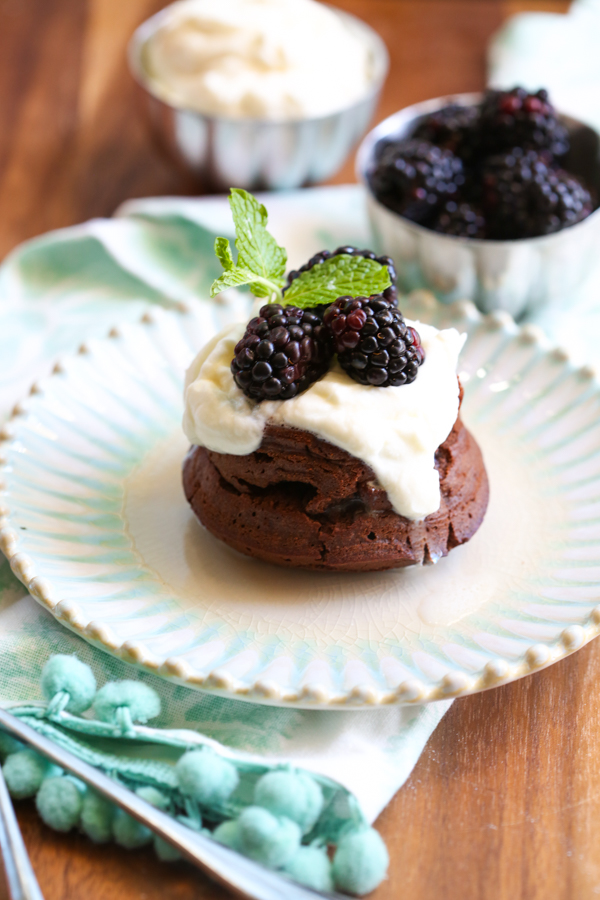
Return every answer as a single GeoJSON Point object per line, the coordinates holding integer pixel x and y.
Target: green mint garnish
{"type": "Point", "coordinates": [261, 264]}
{"type": "Point", "coordinates": [261, 261]}
{"type": "Point", "coordinates": [338, 276]}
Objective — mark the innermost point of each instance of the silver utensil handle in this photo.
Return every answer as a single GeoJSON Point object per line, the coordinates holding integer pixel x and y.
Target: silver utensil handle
{"type": "Point", "coordinates": [21, 881]}
{"type": "Point", "coordinates": [237, 873]}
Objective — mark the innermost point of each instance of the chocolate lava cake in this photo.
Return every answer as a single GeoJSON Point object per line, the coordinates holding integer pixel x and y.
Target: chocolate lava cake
{"type": "Point", "coordinates": [265, 481]}
{"type": "Point", "coordinates": [300, 501]}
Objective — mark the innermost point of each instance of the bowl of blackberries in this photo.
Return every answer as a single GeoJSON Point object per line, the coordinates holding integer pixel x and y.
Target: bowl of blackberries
{"type": "Point", "coordinates": [491, 197]}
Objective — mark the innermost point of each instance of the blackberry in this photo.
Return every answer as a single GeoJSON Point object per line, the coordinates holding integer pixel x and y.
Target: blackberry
{"type": "Point", "coordinates": [454, 128]}
{"type": "Point", "coordinates": [525, 196]}
{"type": "Point", "coordinates": [373, 343]}
{"type": "Point", "coordinates": [414, 178]}
{"type": "Point", "coordinates": [461, 220]}
{"type": "Point", "coordinates": [390, 293]}
{"type": "Point", "coordinates": [283, 351]}
{"type": "Point", "coordinates": [518, 119]}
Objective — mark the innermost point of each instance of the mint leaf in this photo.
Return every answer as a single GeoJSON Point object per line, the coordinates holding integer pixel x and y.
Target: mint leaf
{"type": "Point", "coordinates": [265, 290]}
{"type": "Point", "coordinates": [257, 249]}
{"type": "Point", "coordinates": [261, 261]}
{"type": "Point", "coordinates": [233, 278]}
{"type": "Point", "coordinates": [223, 253]}
{"type": "Point", "coordinates": [237, 277]}
{"type": "Point", "coordinates": [338, 276]}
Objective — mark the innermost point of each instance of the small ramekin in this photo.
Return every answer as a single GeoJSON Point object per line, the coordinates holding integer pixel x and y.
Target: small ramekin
{"type": "Point", "coordinates": [252, 153]}
{"type": "Point", "coordinates": [517, 276]}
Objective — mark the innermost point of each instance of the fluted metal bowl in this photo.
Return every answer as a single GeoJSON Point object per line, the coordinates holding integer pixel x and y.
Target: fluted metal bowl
{"type": "Point", "coordinates": [517, 276]}
{"type": "Point", "coordinates": [251, 153]}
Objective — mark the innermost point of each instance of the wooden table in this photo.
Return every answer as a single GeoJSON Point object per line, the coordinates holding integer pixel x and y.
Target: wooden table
{"type": "Point", "coordinates": [505, 800]}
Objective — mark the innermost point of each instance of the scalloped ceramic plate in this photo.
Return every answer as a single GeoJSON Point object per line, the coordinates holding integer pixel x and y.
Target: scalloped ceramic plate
{"type": "Point", "coordinates": [95, 524]}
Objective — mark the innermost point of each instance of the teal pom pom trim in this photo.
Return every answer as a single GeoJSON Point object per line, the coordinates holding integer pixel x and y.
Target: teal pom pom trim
{"type": "Point", "coordinates": [360, 862]}
{"type": "Point", "coordinates": [166, 852]}
{"type": "Point", "coordinates": [205, 781]}
{"type": "Point", "coordinates": [228, 833]}
{"type": "Point", "coordinates": [24, 772]}
{"type": "Point", "coordinates": [266, 838]}
{"type": "Point", "coordinates": [8, 745]}
{"type": "Point", "coordinates": [141, 702]}
{"type": "Point", "coordinates": [311, 867]}
{"type": "Point", "coordinates": [59, 803]}
{"type": "Point", "coordinates": [128, 832]}
{"type": "Point", "coordinates": [97, 817]}
{"type": "Point", "coordinates": [67, 675]}
{"type": "Point", "coordinates": [291, 794]}
{"type": "Point", "coordinates": [206, 777]}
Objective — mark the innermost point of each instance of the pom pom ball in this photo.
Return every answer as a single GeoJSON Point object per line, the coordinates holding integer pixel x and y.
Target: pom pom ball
{"type": "Point", "coordinates": [59, 803]}
{"type": "Point", "coordinates": [68, 674]}
{"type": "Point", "coordinates": [166, 852]}
{"type": "Point", "coordinates": [291, 794]}
{"type": "Point", "coordinates": [142, 702]}
{"type": "Point", "coordinates": [80, 785]}
{"type": "Point", "coordinates": [227, 833]}
{"type": "Point", "coordinates": [311, 867]}
{"type": "Point", "coordinates": [360, 862]}
{"type": "Point", "coordinates": [24, 772]}
{"type": "Point", "coordinates": [8, 745]}
{"type": "Point", "coordinates": [154, 797]}
{"type": "Point", "coordinates": [97, 817]}
{"type": "Point", "coordinates": [128, 832]}
{"type": "Point", "coordinates": [268, 839]}
{"type": "Point", "coordinates": [206, 777]}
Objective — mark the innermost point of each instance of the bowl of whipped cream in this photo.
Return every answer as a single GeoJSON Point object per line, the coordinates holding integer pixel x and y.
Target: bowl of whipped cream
{"type": "Point", "coordinates": [259, 94]}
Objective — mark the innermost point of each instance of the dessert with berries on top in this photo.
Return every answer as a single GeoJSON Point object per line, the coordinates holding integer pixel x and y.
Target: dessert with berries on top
{"type": "Point", "coordinates": [326, 431]}
{"type": "Point", "coordinates": [494, 171]}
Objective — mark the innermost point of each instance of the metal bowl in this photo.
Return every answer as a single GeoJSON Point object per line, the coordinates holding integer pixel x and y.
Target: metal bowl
{"type": "Point", "coordinates": [251, 153]}
{"type": "Point", "coordinates": [517, 276]}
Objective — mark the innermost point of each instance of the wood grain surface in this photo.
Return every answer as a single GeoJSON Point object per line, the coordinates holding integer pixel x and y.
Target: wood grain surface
{"type": "Point", "coordinates": [504, 803]}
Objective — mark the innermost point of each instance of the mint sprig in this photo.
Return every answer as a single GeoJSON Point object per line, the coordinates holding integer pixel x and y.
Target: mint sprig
{"type": "Point", "coordinates": [261, 261]}
{"type": "Point", "coordinates": [261, 264]}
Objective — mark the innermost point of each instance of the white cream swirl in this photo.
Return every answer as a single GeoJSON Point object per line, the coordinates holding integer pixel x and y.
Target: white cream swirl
{"type": "Point", "coordinates": [394, 430]}
{"type": "Point", "coordinates": [265, 59]}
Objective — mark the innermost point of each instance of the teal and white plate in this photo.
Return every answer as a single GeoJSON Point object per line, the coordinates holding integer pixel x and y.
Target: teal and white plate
{"type": "Point", "coordinates": [94, 522]}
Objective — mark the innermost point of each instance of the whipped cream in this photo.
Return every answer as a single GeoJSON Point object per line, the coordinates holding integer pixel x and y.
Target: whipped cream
{"type": "Point", "coordinates": [394, 430]}
{"type": "Point", "coordinates": [266, 59]}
